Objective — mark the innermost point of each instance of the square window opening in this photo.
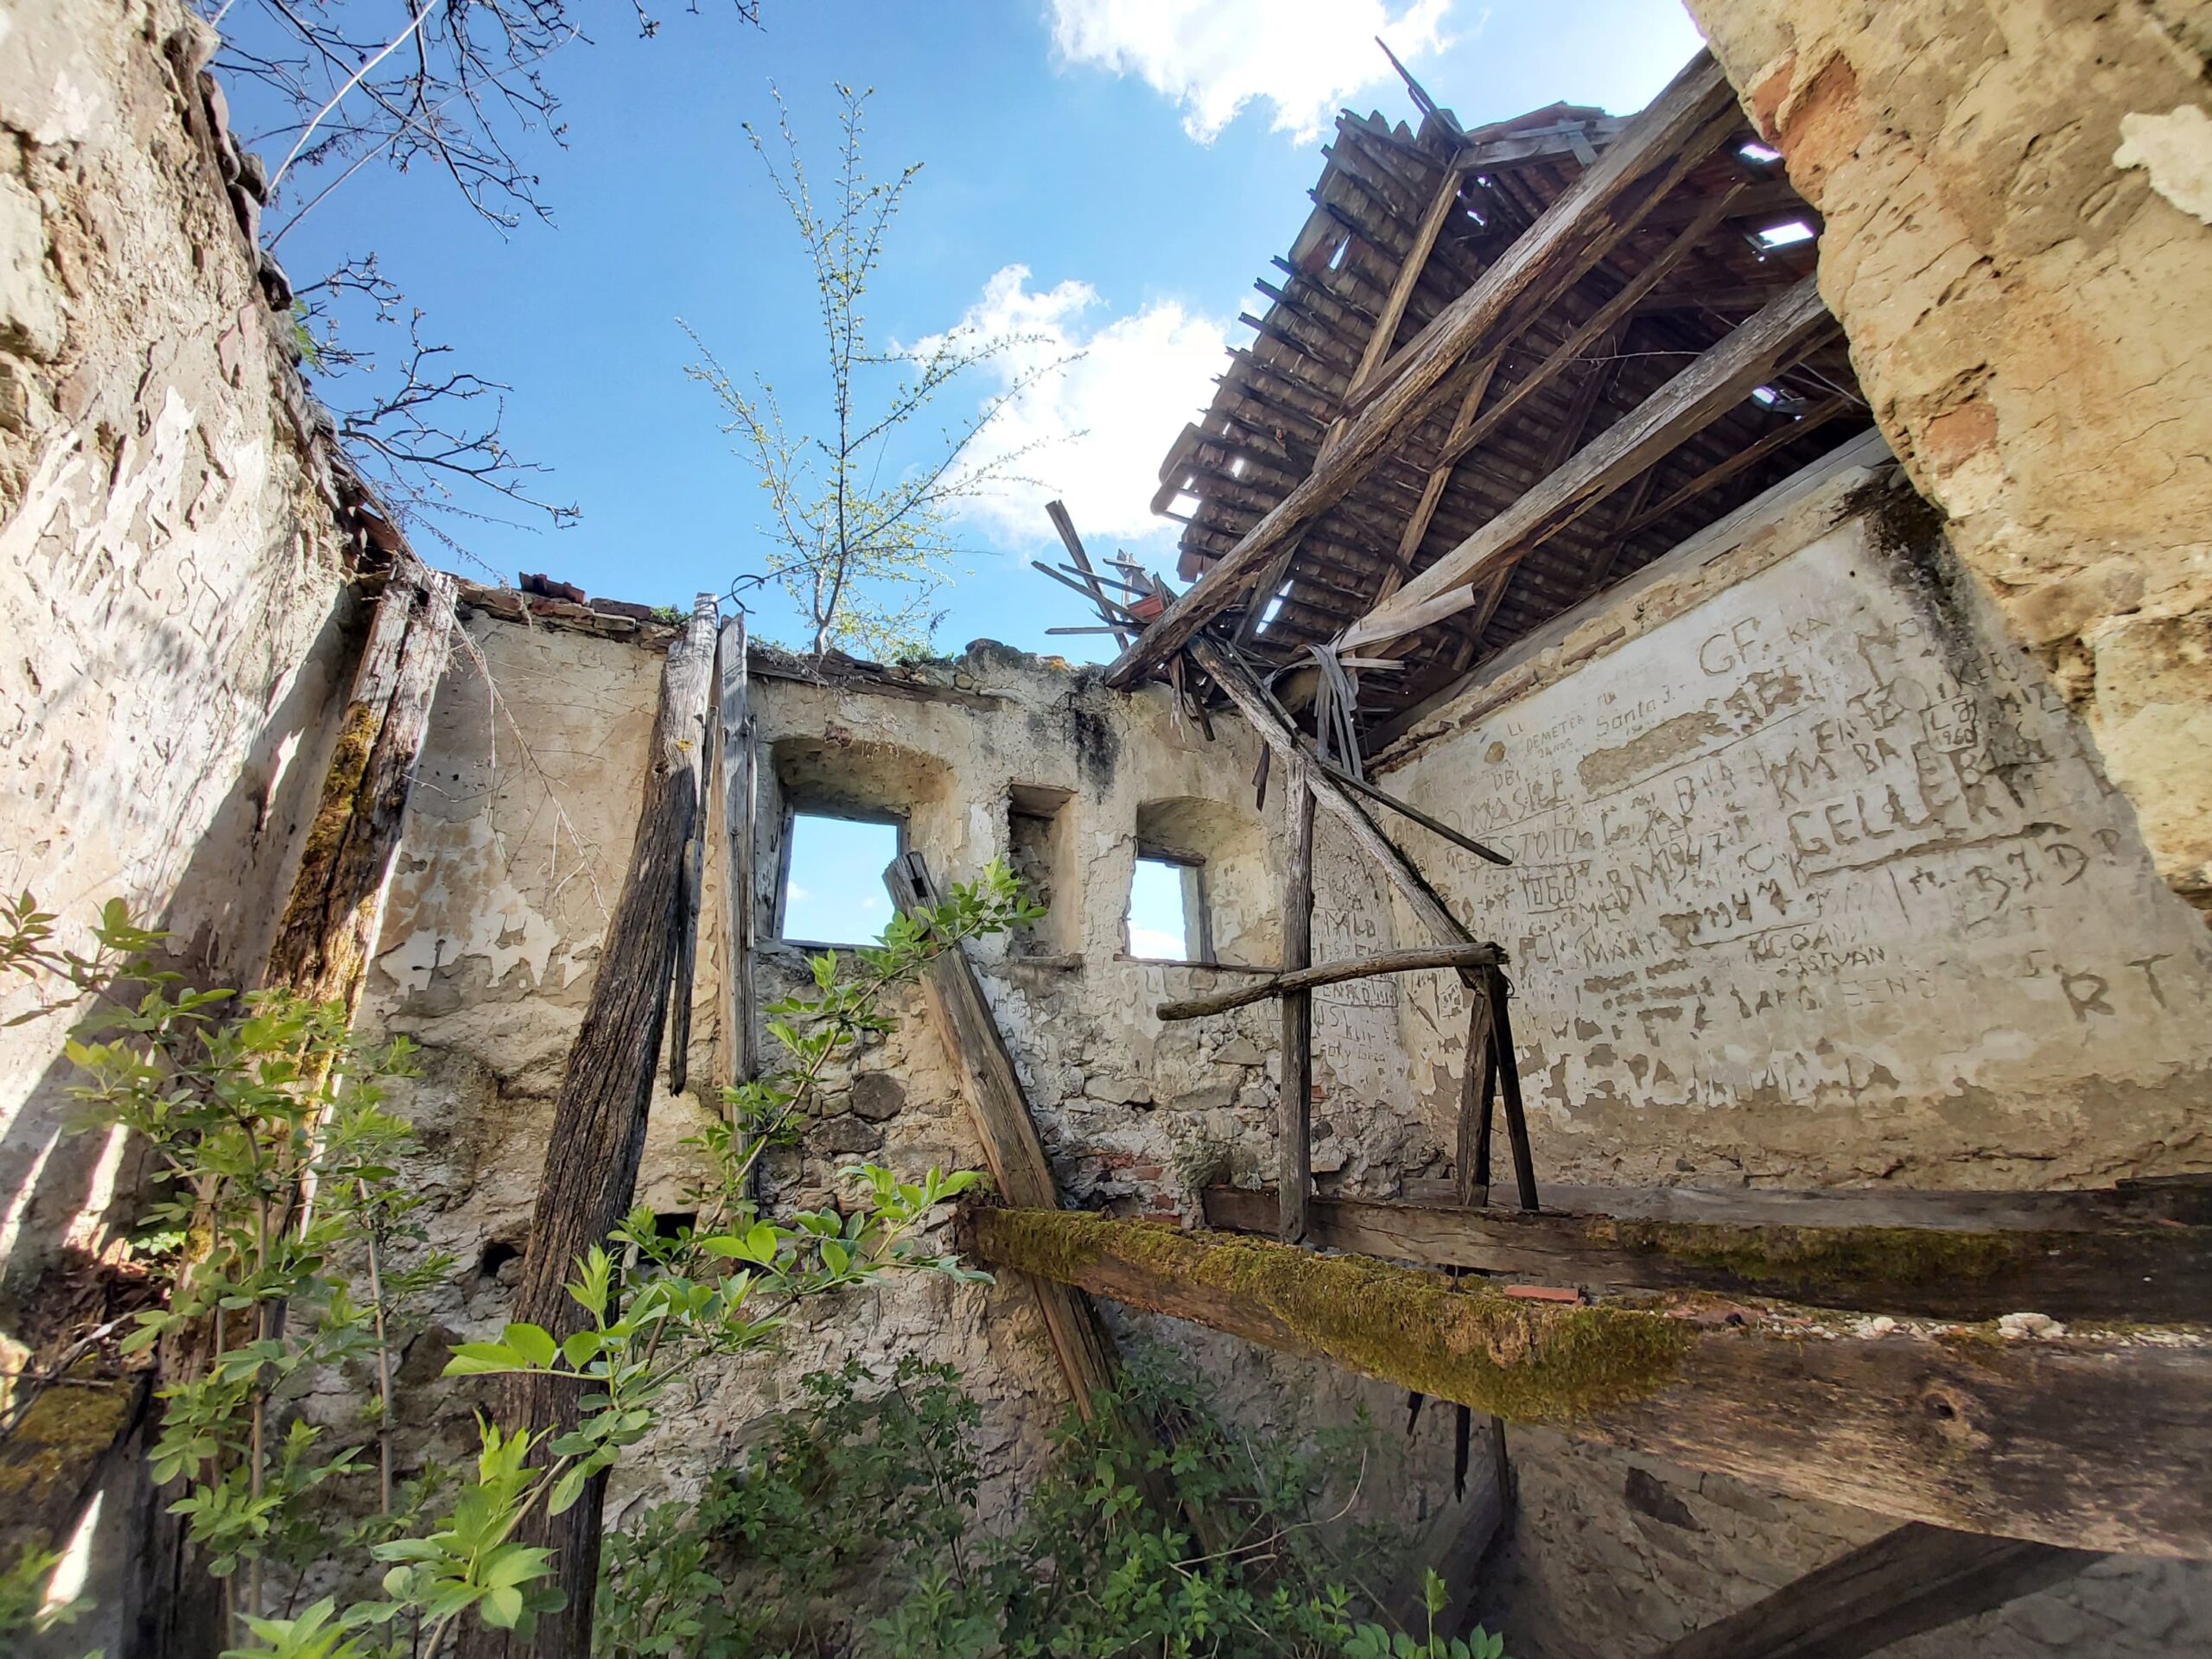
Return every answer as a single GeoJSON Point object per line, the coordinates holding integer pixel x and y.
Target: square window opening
{"type": "Point", "coordinates": [832, 891]}
{"type": "Point", "coordinates": [1168, 915]}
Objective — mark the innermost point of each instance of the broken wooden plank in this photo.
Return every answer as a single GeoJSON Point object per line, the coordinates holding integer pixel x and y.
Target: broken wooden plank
{"type": "Point", "coordinates": [1242, 688]}
{"type": "Point", "coordinates": [1679, 128]}
{"type": "Point", "coordinates": [1294, 1108]}
{"type": "Point", "coordinates": [2094, 1442]}
{"type": "Point", "coordinates": [999, 1111]}
{"type": "Point", "coordinates": [2142, 1272]}
{"type": "Point", "coordinates": [1722, 377]}
{"type": "Point", "coordinates": [1411, 960]}
{"type": "Point", "coordinates": [598, 1117]}
{"type": "Point", "coordinates": [330, 919]}
{"type": "Point", "coordinates": [1914, 1578]}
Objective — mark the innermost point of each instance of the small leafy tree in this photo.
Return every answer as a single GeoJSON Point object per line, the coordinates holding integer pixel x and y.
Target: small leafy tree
{"type": "Point", "coordinates": [859, 532]}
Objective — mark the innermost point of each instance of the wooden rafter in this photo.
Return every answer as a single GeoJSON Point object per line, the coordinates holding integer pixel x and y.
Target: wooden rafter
{"type": "Point", "coordinates": [1654, 153]}
{"type": "Point", "coordinates": [1693, 399]}
{"type": "Point", "coordinates": [1402, 290]}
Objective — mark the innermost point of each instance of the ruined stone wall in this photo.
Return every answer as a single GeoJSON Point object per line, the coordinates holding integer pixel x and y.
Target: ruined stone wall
{"type": "Point", "coordinates": [169, 568]}
{"type": "Point", "coordinates": [2016, 199]}
{"type": "Point", "coordinates": [511, 855]}
{"type": "Point", "coordinates": [1817, 881]}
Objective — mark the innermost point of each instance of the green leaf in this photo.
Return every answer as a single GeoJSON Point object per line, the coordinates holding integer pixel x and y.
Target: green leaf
{"type": "Point", "coordinates": [533, 1342]}
{"type": "Point", "coordinates": [502, 1608]}
{"type": "Point", "coordinates": [568, 1490]}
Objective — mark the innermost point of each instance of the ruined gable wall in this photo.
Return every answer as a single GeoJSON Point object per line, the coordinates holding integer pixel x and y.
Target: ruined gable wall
{"type": "Point", "coordinates": [512, 852]}
{"type": "Point", "coordinates": [2032, 320]}
{"type": "Point", "coordinates": [1817, 881]}
{"type": "Point", "coordinates": [170, 570]}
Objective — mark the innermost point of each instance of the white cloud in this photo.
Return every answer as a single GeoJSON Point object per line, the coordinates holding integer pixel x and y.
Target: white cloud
{"type": "Point", "coordinates": [1155, 946]}
{"type": "Point", "coordinates": [1095, 425]}
{"type": "Point", "coordinates": [1213, 57]}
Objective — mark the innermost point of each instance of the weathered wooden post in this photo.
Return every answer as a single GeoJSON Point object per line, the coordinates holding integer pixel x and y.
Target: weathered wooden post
{"type": "Point", "coordinates": [599, 1119]}
{"type": "Point", "coordinates": [1295, 1109]}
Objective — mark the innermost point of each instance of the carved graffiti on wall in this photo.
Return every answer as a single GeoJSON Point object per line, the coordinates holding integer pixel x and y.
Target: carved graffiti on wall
{"type": "Point", "coordinates": [1826, 839]}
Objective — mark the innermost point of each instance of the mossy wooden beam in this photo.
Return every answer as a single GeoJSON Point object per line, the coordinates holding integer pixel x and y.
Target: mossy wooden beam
{"type": "Point", "coordinates": [2100, 1442]}
{"type": "Point", "coordinates": [2123, 1272]}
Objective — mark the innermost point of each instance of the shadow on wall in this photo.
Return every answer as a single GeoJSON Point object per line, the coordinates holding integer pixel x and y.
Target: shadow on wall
{"type": "Point", "coordinates": [62, 1188]}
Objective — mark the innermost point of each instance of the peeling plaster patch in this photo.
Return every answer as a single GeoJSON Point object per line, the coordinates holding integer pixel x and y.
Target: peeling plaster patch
{"type": "Point", "coordinates": [1670, 741]}
{"type": "Point", "coordinates": [2177, 151]}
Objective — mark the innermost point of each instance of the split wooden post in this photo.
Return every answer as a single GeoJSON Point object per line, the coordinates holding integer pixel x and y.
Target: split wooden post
{"type": "Point", "coordinates": [1916, 1578]}
{"type": "Point", "coordinates": [2099, 1442]}
{"type": "Point", "coordinates": [598, 1133]}
{"type": "Point", "coordinates": [1478, 1081]}
{"type": "Point", "coordinates": [330, 920]}
{"type": "Point", "coordinates": [1294, 1114]}
{"type": "Point", "coordinates": [740, 1055]}
{"type": "Point", "coordinates": [1011, 1144]}
{"type": "Point", "coordinates": [1507, 1064]}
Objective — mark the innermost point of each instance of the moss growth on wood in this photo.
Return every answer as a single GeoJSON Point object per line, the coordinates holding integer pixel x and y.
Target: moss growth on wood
{"type": "Point", "coordinates": [47, 1460]}
{"type": "Point", "coordinates": [1524, 1361]}
{"type": "Point", "coordinates": [1805, 1261]}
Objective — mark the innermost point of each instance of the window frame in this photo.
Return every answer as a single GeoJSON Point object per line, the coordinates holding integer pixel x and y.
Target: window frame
{"type": "Point", "coordinates": [1198, 922]}
{"type": "Point", "coordinates": [794, 809]}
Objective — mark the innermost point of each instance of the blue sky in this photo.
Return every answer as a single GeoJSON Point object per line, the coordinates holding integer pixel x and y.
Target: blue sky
{"type": "Point", "coordinates": [1109, 174]}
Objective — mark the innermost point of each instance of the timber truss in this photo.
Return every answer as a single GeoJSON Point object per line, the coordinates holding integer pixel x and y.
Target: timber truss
{"type": "Point", "coordinates": [1499, 370]}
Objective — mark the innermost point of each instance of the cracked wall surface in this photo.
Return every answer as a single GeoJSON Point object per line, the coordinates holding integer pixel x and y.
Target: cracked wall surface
{"type": "Point", "coordinates": [170, 577]}
{"type": "Point", "coordinates": [2016, 244]}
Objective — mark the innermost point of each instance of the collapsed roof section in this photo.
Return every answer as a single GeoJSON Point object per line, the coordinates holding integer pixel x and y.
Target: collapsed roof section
{"type": "Point", "coordinates": [1498, 370]}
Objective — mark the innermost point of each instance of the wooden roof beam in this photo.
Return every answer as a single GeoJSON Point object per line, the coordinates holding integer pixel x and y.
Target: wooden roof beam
{"type": "Point", "coordinates": [2092, 1442]}
{"type": "Point", "coordinates": [1687, 405]}
{"type": "Point", "coordinates": [1694, 114]}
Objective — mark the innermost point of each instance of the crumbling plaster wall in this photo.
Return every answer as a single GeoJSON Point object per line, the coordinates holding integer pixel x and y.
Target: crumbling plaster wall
{"type": "Point", "coordinates": [1817, 881]}
{"type": "Point", "coordinates": [513, 848]}
{"type": "Point", "coordinates": [2016, 197]}
{"type": "Point", "coordinates": [170, 577]}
